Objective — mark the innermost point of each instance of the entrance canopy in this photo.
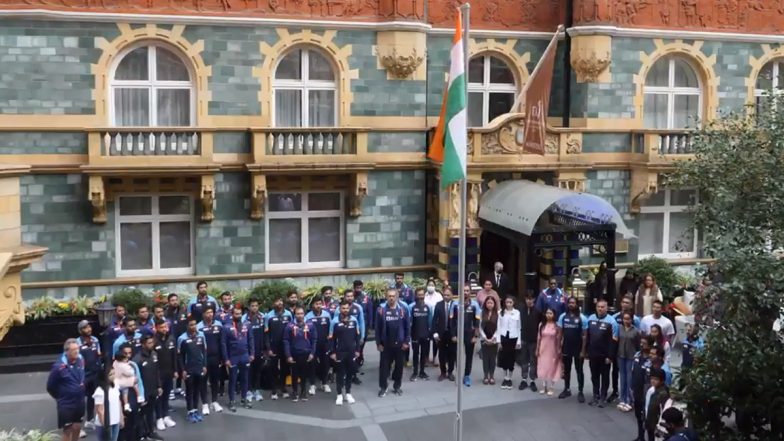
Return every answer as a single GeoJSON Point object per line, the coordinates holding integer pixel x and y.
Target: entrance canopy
{"type": "Point", "coordinates": [517, 205]}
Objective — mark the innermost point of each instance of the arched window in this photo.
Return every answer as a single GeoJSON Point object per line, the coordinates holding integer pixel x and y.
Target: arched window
{"type": "Point", "coordinates": [491, 89]}
{"type": "Point", "coordinates": [770, 81]}
{"type": "Point", "coordinates": [151, 86]}
{"type": "Point", "coordinates": [672, 94]}
{"type": "Point", "coordinates": [305, 90]}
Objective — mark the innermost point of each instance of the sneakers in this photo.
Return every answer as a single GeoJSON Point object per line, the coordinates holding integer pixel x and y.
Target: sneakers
{"type": "Point", "coordinates": [580, 397]}
{"type": "Point", "coordinates": [249, 396]}
{"type": "Point", "coordinates": [451, 377]}
{"type": "Point", "coordinates": [294, 398]}
{"type": "Point", "coordinates": [325, 387]}
{"type": "Point", "coordinates": [594, 401]}
{"type": "Point", "coordinates": [155, 436]}
{"type": "Point", "coordinates": [565, 394]}
{"type": "Point", "coordinates": [533, 386]}
{"type": "Point", "coordinates": [274, 397]}
{"type": "Point", "coordinates": [160, 425]}
{"type": "Point", "coordinates": [398, 392]}
{"type": "Point", "coordinates": [285, 395]}
{"type": "Point", "coordinates": [192, 417]}
{"type": "Point", "coordinates": [216, 407]}
{"type": "Point", "coordinates": [413, 377]}
{"type": "Point", "coordinates": [127, 407]}
{"type": "Point", "coordinates": [169, 422]}
{"type": "Point", "coordinates": [523, 385]}
{"type": "Point", "coordinates": [258, 396]}
{"type": "Point", "coordinates": [613, 396]}
{"type": "Point", "coordinates": [467, 381]}
{"type": "Point", "coordinates": [172, 396]}
{"type": "Point", "coordinates": [232, 406]}
{"type": "Point", "coordinates": [205, 409]}
{"type": "Point", "coordinates": [89, 425]}
{"type": "Point", "coordinates": [382, 393]}
{"type": "Point", "coordinates": [442, 377]}
{"type": "Point", "coordinates": [82, 434]}
{"type": "Point", "coordinates": [356, 381]}
{"type": "Point", "coordinates": [248, 404]}
{"type": "Point", "coordinates": [423, 376]}
{"type": "Point", "coordinates": [339, 400]}
{"type": "Point", "coordinates": [312, 390]}
{"type": "Point", "coordinates": [350, 399]}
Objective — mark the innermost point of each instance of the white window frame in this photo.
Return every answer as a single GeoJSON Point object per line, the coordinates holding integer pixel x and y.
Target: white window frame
{"type": "Point", "coordinates": [671, 90]}
{"type": "Point", "coordinates": [151, 84]}
{"type": "Point", "coordinates": [776, 88]}
{"type": "Point", "coordinates": [155, 219]}
{"type": "Point", "coordinates": [304, 215]}
{"type": "Point", "coordinates": [305, 86]}
{"type": "Point", "coordinates": [667, 210]}
{"type": "Point", "coordinates": [486, 87]}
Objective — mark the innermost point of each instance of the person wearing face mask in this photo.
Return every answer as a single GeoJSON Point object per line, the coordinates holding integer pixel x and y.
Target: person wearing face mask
{"type": "Point", "coordinates": [445, 334]}
{"type": "Point", "coordinates": [432, 297]}
{"type": "Point", "coordinates": [500, 281]}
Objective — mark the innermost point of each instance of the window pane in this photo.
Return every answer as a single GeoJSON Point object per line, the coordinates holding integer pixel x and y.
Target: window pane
{"type": "Point", "coordinates": [285, 202]}
{"type": "Point", "coordinates": [319, 67]}
{"type": "Point", "coordinates": [500, 72]}
{"type": "Point", "coordinates": [290, 67]}
{"type": "Point", "coordinates": [681, 238]}
{"type": "Point", "coordinates": [285, 240]}
{"type": "Point", "coordinates": [655, 111]}
{"type": "Point", "coordinates": [136, 246]}
{"type": "Point", "coordinates": [323, 201]}
{"type": "Point", "coordinates": [174, 107]}
{"type": "Point", "coordinates": [684, 74]}
{"type": "Point", "coordinates": [686, 111]}
{"type": "Point", "coordinates": [475, 109]}
{"type": "Point", "coordinates": [132, 107]}
{"type": "Point", "coordinates": [651, 233]}
{"type": "Point", "coordinates": [324, 239]}
{"type": "Point", "coordinates": [476, 70]}
{"type": "Point", "coordinates": [174, 205]}
{"type": "Point", "coordinates": [779, 81]}
{"type": "Point", "coordinates": [135, 206]}
{"type": "Point", "coordinates": [133, 66]}
{"type": "Point", "coordinates": [500, 104]}
{"type": "Point", "coordinates": [682, 197]}
{"type": "Point", "coordinates": [321, 108]}
{"type": "Point", "coordinates": [765, 78]}
{"type": "Point", "coordinates": [175, 244]}
{"type": "Point", "coordinates": [659, 75]}
{"type": "Point", "coordinates": [169, 67]}
{"type": "Point", "coordinates": [655, 200]}
{"type": "Point", "coordinates": [288, 108]}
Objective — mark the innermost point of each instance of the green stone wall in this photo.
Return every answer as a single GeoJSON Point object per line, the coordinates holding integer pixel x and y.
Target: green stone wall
{"type": "Point", "coordinates": [28, 143]}
{"type": "Point", "coordinates": [391, 229]}
{"type": "Point", "coordinates": [614, 186]}
{"type": "Point", "coordinates": [45, 66]}
{"type": "Point", "coordinates": [732, 67]}
{"type": "Point", "coordinates": [404, 142]}
{"type": "Point", "coordinates": [607, 143]}
{"type": "Point", "coordinates": [231, 142]}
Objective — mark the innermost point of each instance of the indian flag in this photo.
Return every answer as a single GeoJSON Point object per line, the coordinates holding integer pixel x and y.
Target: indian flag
{"type": "Point", "coordinates": [449, 142]}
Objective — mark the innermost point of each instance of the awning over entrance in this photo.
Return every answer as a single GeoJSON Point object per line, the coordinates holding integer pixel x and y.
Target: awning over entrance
{"type": "Point", "coordinates": [518, 205]}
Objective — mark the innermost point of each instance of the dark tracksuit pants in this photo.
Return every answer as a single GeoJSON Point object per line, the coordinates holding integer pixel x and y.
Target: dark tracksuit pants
{"type": "Point", "coordinates": [238, 378]}
{"type": "Point", "coordinates": [256, 373]}
{"type": "Point", "coordinates": [527, 360]}
{"type": "Point", "coordinates": [320, 364]}
{"type": "Point", "coordinates": [148, 413]}
{"type": "Point", "coordinates": [90, 383]}
{"type": "Point", "coordinates": [300, 372]}
{"type": "Point", "coordinates": [130, 431]}
{"type": "Point", "coordinates": [162, 407]}
{"type": "Point", "coordinates": [391, 354]}
{"type": "Point", "coordinates": [567, 360]}
{"type": "Point", "coordinates": [280, 369]}
{"type": "Point", "coordinates": [420, 348]}
{"type": "Point", "coordinates": [195, 386]}
{"type": "Point", "coordinates": [345, 368]}
{"type": "Point", "coordinates": [214, 369]}
{"type": "Point", "coordinates": [600, 376]}
{"type": "Point", "coordinates": [447, 354]}
{"type": "Point", "coordinates": [469, 355]}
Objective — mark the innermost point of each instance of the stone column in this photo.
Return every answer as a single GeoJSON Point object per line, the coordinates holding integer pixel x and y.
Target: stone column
{"type": "Point", "coordinates": [449, 230]}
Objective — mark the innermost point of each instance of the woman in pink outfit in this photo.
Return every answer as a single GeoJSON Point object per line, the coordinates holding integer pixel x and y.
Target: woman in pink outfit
{"type": "Point", "coordinates": [548, 353]}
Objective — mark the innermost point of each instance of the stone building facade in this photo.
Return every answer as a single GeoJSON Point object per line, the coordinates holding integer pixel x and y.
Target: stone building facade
{"type": "Point", "coordinates": [173, 141]}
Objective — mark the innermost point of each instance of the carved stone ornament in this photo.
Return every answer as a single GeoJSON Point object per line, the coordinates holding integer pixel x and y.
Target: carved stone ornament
{"type": "Point", "coordinates": [474, 193]}
{"type": "Point", "coordinates": [504, 140]}
{"type": "Point", "coordinates": [644, 185]}
{"type": "Point", "coordinates": [577, 185]}
{"type": "Point", "coordinates": [358, 194]}
{"type": "Point", "coordinates": [551, 144]}
{"type": "Point", "coordinates": [207, 197]}
{"type": "Point", "coordinates": [401, 66]}
{"type": "Point", "coordinates": [573, 146]}
{"type": "Point", "coordinates": [454, 207]}
{"type": "Point", "coordinates": [589, 67]}
{"type": "Point", "coordinates": [258, 197]}
{"type": "Point", "coordinates": [98, 199]}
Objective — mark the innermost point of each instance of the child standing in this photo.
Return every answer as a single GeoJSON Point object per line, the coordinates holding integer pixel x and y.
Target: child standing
{"type": "Point", "coordinates": [655, 399]}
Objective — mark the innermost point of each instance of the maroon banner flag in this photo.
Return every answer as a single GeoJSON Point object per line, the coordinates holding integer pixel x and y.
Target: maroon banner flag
{"type": "Point", "coordinates": [537, 99]}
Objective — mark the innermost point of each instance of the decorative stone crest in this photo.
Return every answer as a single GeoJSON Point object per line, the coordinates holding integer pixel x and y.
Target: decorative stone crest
{"type": "Point", "coordinates": [573, 146]}
{"type": "Point", "coordinates": [504, 140]}
{"type": "Point", "coordinates": [359, 192]}
{"type": "Point", "coordinates": [207, 197]}
{"type": "Point", "coordinates": [644, 184]}
{"type": "Point", "coordinates": [258, 197]}
{"type": "Point", "coordinates": [401, 66]}
{"type": "Point", "coordinates": [588, 67]}
{"type": "Point", "coordinates": [551, 144]}
{"type": "Point", "coordinates": [97, 198]}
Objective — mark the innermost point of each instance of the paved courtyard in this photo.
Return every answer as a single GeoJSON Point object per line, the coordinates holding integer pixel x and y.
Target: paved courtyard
{"type": "Point", "coordinates": [425, 412]}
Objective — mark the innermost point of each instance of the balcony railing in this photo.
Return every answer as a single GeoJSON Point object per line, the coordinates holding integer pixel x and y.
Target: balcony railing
{"type": "Point", "coordinates": [662, 142]}
{"type": "Point", "coordinates": [307, 141]}
{"type": "Point", "coordinates": [150, 142]}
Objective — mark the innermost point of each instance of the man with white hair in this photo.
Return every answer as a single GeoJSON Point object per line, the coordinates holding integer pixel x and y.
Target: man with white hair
{"type": "Point", "coordinates": [66, 386]}
{"type": "Point", "coordinates": [500, 280]}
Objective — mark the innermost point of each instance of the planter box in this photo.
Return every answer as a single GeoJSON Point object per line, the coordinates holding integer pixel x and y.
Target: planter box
{"type": "Point", "coordinates": [43, 337]}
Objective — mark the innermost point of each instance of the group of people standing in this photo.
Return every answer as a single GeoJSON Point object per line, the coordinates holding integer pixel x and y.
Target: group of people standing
{"type": "Point", "coordinates": [217, 344]}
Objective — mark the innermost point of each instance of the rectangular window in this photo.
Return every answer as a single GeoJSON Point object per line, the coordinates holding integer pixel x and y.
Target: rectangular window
{"type": "Point", "coordinates": [305, 230]}
{"type": "Point", "coordinates": [666, 226]}
{"type": "Point", "coordinates": [154, 235]}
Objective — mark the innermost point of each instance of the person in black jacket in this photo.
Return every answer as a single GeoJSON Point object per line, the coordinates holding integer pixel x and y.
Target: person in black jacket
{"type": "Point", "coordinates": [147, 360]}
{"type": "Point", "coordinates": [500, 280]}
{"type": "Point", "coordinates": [90, 350]}
{"type": "Point", "coordinates": [445, 335]}
{"type": "Point", "coordinates": [168, 370]}
{"type": "Point", "coordinates": [640, 370]}
{"type": "Point", "coordinates": [178, 323]}
{"type": "Point", "coordinates": [530, 317]}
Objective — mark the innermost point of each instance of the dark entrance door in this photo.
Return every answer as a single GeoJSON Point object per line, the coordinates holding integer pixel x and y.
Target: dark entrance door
{"type": "Point", "coordinates": [495, 248]}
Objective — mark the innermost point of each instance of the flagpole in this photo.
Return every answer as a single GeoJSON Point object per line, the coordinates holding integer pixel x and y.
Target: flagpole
{"type": "Point", "coordinates": [465, 10]}
{"type": "Point", "coordinates": [553, 41]}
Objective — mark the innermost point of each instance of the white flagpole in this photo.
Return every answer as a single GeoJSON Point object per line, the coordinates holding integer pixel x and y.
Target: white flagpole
{"type": "Point", "coordinates": [466, 13]}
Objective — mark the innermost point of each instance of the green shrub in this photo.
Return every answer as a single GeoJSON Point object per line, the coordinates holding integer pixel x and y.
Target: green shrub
{"type": "Point", "coordinates": [269, 290]}
{"type": "Point", "coordinates": [31, 435]}
{"type": "Point", "coordinates": [132, 299]}
{"type": "Point", "coordinates": [376, 289]}
{"type": "Point", "coordinates": [666, 277]}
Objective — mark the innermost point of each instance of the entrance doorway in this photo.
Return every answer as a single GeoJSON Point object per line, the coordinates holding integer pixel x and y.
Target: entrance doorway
{"type": "Point", "coordinates": [496, 248]}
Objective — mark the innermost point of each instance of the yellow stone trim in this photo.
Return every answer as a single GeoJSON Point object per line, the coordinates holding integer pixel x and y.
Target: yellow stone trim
{"type": "Point", "coordinates": [768, 54]}
{"type": "Point", "coordinates": [702, 64]}
{"type": "Point", "coordinates": [150, 32]}
{"type": "Point", "coordinates": [406, 48]}
{"type": "Point", "coordinates": [286, 42]}
{"type": "Point", "coordinates": [506, 51]}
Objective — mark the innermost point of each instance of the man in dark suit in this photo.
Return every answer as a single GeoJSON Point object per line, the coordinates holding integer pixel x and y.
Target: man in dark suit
{"type": "Point", "coordinates": [445, 334]}
{"type": "Point", "coordinates": [501, 283]}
